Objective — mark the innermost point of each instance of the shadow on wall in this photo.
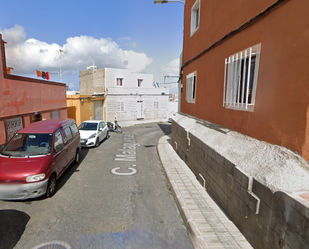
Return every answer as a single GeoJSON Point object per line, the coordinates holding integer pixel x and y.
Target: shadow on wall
{"type": "Point", "coordinates": [12, 226]}
{"type": "Point", "coordinates": [213, 126]}
{"type": "Point", "coordinates": [71, 112]}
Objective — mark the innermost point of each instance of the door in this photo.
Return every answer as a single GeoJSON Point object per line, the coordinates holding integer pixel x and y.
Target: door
{"type": "Point", "coordinates": [101, 131]}
{"type": "Point", "coordinates": [98, 109]}
{"type": "Point", "coordinates": [60, 159]}
{"type": "Point", "coordinates": [139, 110]}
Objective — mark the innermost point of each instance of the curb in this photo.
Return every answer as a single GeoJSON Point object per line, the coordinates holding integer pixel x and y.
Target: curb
{"type": "Point", "coordinates": [192, 228]}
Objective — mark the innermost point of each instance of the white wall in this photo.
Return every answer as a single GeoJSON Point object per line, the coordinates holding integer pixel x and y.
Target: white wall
{"type": "Point", "coordinates": [130, 107]}
{"type": "Point", "coordinates": [129, 78]}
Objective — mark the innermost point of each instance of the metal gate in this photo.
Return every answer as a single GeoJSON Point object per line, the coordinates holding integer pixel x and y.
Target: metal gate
{"type": "Point", "coordinates": [98, 109]}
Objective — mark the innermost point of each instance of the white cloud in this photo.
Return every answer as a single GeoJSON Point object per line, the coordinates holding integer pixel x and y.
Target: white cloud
{"type": "Point", "coordinates": [29, 55]}
{"type": "Point", "coordinates": [171, 68]}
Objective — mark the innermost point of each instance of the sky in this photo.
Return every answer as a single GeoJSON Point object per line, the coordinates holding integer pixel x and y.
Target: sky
{"type": "Point", "coordinates": [130, 34]}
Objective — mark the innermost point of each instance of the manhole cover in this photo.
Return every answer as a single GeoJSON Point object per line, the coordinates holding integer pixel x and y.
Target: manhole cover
{"type": "Point", "coordinates": [53, 245]}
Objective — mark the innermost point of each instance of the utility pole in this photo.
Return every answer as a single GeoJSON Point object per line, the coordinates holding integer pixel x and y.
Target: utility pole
{"type": "Point", "coordinates": [61, 51]}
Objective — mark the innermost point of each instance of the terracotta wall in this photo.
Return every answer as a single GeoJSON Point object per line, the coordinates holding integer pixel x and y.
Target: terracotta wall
{"type": "Point", "coordinates": [24, 97]}
{"type": "Point", "coordinates": [281, 113]}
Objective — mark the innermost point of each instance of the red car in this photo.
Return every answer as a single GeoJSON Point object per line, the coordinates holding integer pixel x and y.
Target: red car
{"type": "Point", "coordinates": [35, 158]}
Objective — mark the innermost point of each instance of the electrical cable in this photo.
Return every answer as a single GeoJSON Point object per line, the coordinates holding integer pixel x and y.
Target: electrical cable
{"type": "Point", "coordinates": [232, 33]}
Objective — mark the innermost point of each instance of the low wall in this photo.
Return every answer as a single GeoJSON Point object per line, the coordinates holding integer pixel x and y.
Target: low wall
{"type": "Point", "coordinates": [268, 218]}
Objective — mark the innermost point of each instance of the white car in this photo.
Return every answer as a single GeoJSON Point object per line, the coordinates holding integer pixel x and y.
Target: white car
{"type": "Point", "coordinates": [92, 132]}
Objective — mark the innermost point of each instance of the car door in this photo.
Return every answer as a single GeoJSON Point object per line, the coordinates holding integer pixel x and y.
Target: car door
{"type": "Point", "coordinates": [60, 153]}
{"type": "Point", "coordinates": [105, 129]}
{"type": "Point", "coordinates": [70, 145]}
{"type": "Point", "coordinates": [101, 131]}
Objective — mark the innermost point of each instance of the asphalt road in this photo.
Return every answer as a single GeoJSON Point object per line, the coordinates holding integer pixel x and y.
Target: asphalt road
{"type": "Point", "coordinates": [116, 197]}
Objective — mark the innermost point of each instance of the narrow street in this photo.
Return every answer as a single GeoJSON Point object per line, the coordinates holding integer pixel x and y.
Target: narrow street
{"type": "Point", "coordinates": [116, 197]}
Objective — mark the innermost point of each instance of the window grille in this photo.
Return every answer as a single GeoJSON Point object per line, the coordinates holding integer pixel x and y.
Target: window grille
{"type": "Point", "coordinates": [240, 79]}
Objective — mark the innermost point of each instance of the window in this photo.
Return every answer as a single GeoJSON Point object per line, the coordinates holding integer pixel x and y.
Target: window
{"type": "Point", "coordinates": [58, 144]}
{"type": "Point", "coordinates": [119, 81]}
{"type": "Point", "coordinates": [55, 114]}
{"type": "Point", "coordinates": [74, 130]}
{"type": "Point", "coordinates": [68, 134]}
{"type": "Point", "coordinates": [191, 87]}
{"type": "Point", "coordinates": [240, 79]}
{"type": "Point", "coordinates": [139, 83]}
{"type": "Point", "coordinates": [156, 105]}
{"type": "Point", "coordinates": [195, 17]}
{"type": "Point", "coordinates": [120, 106]}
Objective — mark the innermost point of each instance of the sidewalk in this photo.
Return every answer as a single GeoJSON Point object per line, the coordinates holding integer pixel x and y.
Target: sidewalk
{"type": "Point", "coordinates": [208, 226]}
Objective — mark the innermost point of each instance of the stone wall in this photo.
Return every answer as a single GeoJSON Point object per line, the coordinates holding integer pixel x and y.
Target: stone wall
{"type": "Point", "coordinates": [91, 82]}
{"type": "Point", "coordinates": [268, 219]}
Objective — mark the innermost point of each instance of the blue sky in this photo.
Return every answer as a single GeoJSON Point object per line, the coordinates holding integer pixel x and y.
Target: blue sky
{"type": "Point", "coordinates": [137, 35]}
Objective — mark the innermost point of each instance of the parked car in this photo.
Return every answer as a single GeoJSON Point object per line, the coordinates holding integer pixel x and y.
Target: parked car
{"type": "Point", "coordinates": [92, 132]}
{"type": "Point", "coordinates": [35, 158]}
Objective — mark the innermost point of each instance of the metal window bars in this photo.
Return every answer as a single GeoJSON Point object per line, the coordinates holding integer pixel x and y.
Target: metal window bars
{"type": "Point", "coordinates": [240, 78]}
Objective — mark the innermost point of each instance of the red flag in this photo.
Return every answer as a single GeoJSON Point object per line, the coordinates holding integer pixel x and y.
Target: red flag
{"type": "Point", "coordinates": [47, 75]}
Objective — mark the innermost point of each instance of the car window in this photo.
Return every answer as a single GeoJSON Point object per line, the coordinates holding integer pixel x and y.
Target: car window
{"type": "Point", "coordinates": [74, 129]}
{"type": "Point", "coordinates": [58, 144]}
{"type": "Point", "coordinates": [101, 125]}
{"type": "Point", "coordinates": [88, 126]}
{"type": "Point", "coordinates": [68, 134]}
{"type": "Point", "coordinates": [29, 145]}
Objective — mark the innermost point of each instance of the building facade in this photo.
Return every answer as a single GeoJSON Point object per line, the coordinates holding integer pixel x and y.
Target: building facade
{"type": "Point", "coordinates": [85, 107]}
{"type": "Point", "coordinates": [25, 100]}
{"type": "Point", "coordinates": [244, 118]}
{"type": "Point", "coordinates": [128, 96]}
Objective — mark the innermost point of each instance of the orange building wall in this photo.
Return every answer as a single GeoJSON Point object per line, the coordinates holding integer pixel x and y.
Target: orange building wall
{"type": "Point", "coordinates": [281, 113]}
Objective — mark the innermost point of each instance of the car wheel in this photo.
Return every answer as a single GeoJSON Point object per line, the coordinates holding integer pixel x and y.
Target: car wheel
{"type": "Point", "coordinates": [97, 142]}
{"type": "Point", "coordinates": [77, 156]}
{"type": "Point", "coordinates": [51, 187]}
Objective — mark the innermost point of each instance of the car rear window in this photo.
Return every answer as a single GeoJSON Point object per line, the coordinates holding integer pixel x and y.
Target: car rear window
{"type": "Point", "coordinates": [88, 126]}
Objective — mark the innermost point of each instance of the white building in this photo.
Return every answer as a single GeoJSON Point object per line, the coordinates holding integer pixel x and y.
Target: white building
{"type": "Point", "coordinates": [128, 96]}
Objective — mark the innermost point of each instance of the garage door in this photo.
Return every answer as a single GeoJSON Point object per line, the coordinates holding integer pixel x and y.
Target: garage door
{"type": "Point", "coordinates": [98, 109]}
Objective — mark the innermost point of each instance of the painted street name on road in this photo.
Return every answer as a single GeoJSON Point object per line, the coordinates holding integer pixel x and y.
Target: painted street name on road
{"type": "Point", "coordinates": [128, 151]}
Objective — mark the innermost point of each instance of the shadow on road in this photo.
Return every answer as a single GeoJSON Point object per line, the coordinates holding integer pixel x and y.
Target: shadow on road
{"type": "Point", "coordinates": [12, 226]}
{"type": "Point", "coordinates": [166, 128]}
{"type": "Point", "coordinates": [71, 170]}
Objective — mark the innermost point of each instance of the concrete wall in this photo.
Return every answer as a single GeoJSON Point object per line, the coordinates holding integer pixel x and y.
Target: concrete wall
{"type": "Point", "coordinates": [281, 111]}
{"type": "Point", "coordinates": [268, 218]}
{"type": "Point", "coordinates": [92, 81]}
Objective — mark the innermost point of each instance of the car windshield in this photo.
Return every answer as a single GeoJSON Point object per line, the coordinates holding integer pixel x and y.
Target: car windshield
{"type": "Point", "coordinates": [88, 126]}
{"type": "Point", "coordinates": [29, 145]}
